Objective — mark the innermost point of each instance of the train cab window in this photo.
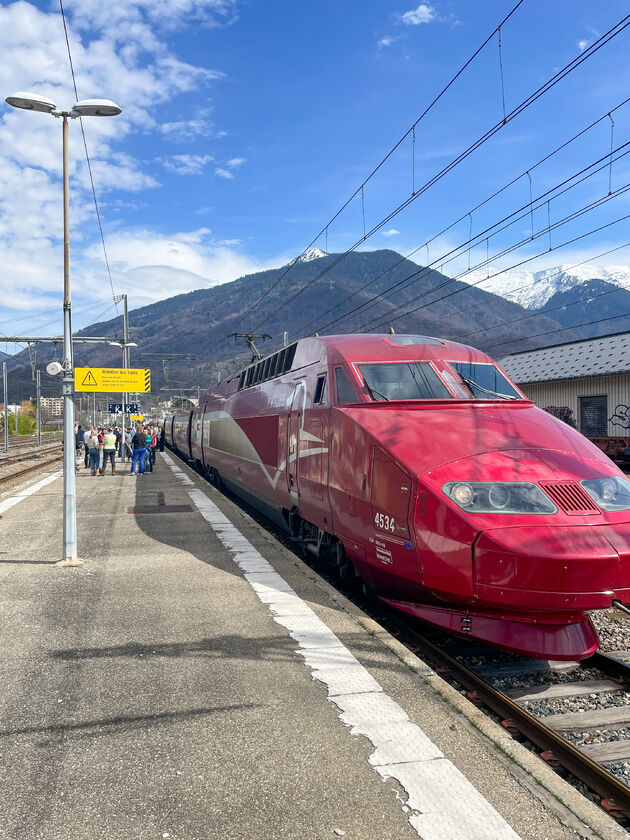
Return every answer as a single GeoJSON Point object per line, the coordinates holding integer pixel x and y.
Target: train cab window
{"type": "Point", "coordinates": [485, 381]}
{"type": "Point", "coordinates": [320, 391]}
{"type": "Point", "coordinates": [345, 392]}
{"type": "Point", "coordinates": [403, 381]}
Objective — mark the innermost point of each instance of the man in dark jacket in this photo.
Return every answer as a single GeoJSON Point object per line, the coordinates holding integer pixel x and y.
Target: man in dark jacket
{"type": "Point", "coordinates": [139, 451]}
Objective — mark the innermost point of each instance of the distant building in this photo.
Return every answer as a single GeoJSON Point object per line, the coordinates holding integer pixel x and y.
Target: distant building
{"type": "Point", "coordinates": [51, 407]}
{"type": "Point", "coordinates": [590, 377]}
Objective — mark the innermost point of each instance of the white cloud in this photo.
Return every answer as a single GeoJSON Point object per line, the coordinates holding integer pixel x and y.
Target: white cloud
{"type": "Point", "coordinates": [424, 13]}
{"type": "Point", "coordinates": [583, 44]}
{"type": "Point", "coordinates": [186, 131]}
{"type": "Point", "coordinates": [136, 21]}
{"type": "Point", "coordinates": [225, 171]}
{"type": "Point", "coordinates": [391, 232]}
{"type": "Point", "coordinates": [387, 41]}
{"type": "Point", "coordinates": [186, 164]}
{"type": "Point", "coordinates": [152, 267]}
{"type": "Point", "coordinates": [118, 52]}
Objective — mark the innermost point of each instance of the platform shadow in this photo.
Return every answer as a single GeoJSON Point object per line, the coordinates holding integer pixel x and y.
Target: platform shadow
{"type": "Point", "coordinates": [228, 646]}
{"type": "Point", "coordinates": [122, 723]}
{"type": "Point", "coordinates": [157, 527]}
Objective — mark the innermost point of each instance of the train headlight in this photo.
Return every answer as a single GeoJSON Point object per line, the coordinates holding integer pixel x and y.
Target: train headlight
{"type": "Point", "coordinates": [610, 493]}
{"type": "Point", "coordinates": [462, 494]}
{"type": "Point", "coordinates": [499, 497]}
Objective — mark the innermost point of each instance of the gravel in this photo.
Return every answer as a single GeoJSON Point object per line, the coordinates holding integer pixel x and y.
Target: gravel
{"type": "Point", "coordinates": [587, 703]}
{"type": "Point", "coordinates": [613, 628]}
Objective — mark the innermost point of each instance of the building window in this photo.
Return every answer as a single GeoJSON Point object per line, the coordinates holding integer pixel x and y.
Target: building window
{"type": "Point", "coordinates": [594, 416]}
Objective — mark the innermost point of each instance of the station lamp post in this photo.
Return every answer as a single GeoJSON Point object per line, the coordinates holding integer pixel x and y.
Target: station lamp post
{"type": "Point", "coordinates": [85, 108]}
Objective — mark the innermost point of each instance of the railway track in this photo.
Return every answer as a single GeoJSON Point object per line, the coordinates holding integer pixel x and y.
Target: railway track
{"type": "Point", "coordinates": [24, 471]}
{"type": "Point", "coordinates": [28, 452]}
{"type": "Point", "coordinates": [540, 682]}
{"type": "Point", "coordinates": [527, 710]}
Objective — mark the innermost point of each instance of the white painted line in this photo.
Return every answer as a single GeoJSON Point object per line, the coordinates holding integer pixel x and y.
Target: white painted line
{"type": "Point", "coordinates": [24, 494]}
{"type": "Point", "coordinates": [441, 803]}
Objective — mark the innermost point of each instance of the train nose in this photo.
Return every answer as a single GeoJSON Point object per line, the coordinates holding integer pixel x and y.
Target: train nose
{"type": "Point", "coordinates": [553, 567]}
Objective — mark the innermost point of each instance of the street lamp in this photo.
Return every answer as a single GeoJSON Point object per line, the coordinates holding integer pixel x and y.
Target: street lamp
{"type": "Point", "coordinates": [85, 108]}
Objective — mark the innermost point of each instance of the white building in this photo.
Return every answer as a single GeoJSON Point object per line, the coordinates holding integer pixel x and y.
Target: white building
{"type": "Point", "coordinates": [590, 377]}
{"type": "Point", "coordinates": [51, 406]}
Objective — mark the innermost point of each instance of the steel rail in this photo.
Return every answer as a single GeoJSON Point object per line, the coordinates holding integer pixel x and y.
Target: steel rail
{"type": "Point", "coordinates": [26, 454]}
{"type": "Point", "coordinates": [569, 756]}
{"type": "Point", "coordinates": [26, 470]}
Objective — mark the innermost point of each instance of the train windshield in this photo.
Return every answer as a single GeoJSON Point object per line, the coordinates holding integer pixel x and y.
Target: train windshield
{"type": "Point", "coordinates": [485, 381]}
{"type": "Point", "coordinates": [403, 381]}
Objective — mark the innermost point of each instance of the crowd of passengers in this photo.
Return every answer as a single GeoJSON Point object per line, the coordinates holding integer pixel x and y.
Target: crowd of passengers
{"type": "Point", "coordinates": [98, 446]}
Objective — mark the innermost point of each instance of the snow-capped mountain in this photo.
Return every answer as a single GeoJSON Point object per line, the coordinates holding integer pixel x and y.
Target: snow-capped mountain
{"type": "Point", "coordinates": [534, 290]}
{"type": "Point", "coordinates": [313, 254]}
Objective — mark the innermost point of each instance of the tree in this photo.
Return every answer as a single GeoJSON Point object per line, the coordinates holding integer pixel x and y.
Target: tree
{"type": "Point", "coordinates": [28, 407]}
{"type": "Point", "coordinates": [25, 425]}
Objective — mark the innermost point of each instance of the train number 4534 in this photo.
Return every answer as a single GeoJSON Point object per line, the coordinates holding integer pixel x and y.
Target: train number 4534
{"type": "Point", "coordinates": [384, 522]}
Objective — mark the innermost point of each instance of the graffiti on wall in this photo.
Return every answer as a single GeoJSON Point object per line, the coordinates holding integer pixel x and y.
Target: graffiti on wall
{"type": "Point", "coordinates": [621, 417]}
{"type": "Point", "coordinates": [563, 413]}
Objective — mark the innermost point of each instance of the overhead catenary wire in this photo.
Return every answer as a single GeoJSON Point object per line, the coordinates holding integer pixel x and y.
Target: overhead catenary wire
{"type": "Point", "coordinates": [87, 156]}
{"type": "Point", "coordinates": [526, 103]}
{"type": "Point", "coordinates": [502, 224]}
{"type": "Point", "coordinates": [389, 318]}
{"type": "Point", "coordinates": [463, 216]}
{"type": "Point", "coordinates": [510, 249]}
{"type": "Point", "coordinates": [410, 130]}
{"type": "Point", "coordinates": [545, 310]}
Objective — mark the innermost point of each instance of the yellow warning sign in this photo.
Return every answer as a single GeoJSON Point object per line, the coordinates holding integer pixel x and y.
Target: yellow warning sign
{"type": "Point", "coordinates": [88, 379]}
{"type": "Point", "coordinates": [137, 418]}
{"type": "Point", "coordinates": [107, 380]}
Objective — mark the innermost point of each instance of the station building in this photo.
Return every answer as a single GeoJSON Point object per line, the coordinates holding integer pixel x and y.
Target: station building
{"type": "Point", "coordinates": [584, 382]}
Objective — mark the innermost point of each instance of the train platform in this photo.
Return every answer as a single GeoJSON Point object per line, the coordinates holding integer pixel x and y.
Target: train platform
{"type": "Point", "coordinates": [194, 680]}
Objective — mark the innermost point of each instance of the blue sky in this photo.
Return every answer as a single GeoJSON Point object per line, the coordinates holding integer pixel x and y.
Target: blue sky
{"type": "Point", "coordinates": [246, 125]}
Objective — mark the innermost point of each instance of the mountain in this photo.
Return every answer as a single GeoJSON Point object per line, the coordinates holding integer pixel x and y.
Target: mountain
{"type": "Point", "coordinates": [592, 300]}
{"type": "Point", "coordinates": [369, 288]}
{"type": "Point", "coordinates": [534, 290]}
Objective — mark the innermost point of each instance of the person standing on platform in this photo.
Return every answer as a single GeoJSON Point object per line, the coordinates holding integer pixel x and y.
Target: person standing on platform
{"type": "Point", "coordinates": [148, 442]}
{"type": "Point", "coordinates": [101, 436]}
{"type": "Point", "coordinates": [128, 443]}
{"type": "Point", "coordinates": [139, 452]}
{"type": "Point", "coordinates": [109, 451]}
{"type": "Point", "coordinates": [86, 454]}
{"type": "Point", "coordinates": [92, 450]}
{"type": "Point", "coordinates": [79, 440]}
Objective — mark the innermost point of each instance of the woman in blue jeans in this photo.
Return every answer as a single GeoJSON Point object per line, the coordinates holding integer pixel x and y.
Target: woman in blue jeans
{"type": "Point", "coordinates": [139, 451]}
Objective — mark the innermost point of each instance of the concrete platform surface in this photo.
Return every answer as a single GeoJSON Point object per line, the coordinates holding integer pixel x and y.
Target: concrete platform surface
{"type": "Point", "coordinates": [194, 680]}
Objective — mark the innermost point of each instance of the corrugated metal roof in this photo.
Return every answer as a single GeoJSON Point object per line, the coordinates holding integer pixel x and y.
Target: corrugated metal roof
{"type": "Point", "coordinates": [590, 357]}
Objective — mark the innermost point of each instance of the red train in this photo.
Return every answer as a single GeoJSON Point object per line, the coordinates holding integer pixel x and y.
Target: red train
{"type": "Point", "coordinates": [418, 464]}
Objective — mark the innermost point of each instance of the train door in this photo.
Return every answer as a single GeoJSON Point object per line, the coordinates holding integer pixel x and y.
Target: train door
{"type": "Point", "coordinates": [391, 491]}
{"type": "Point", "coordinates": [293, 441]}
